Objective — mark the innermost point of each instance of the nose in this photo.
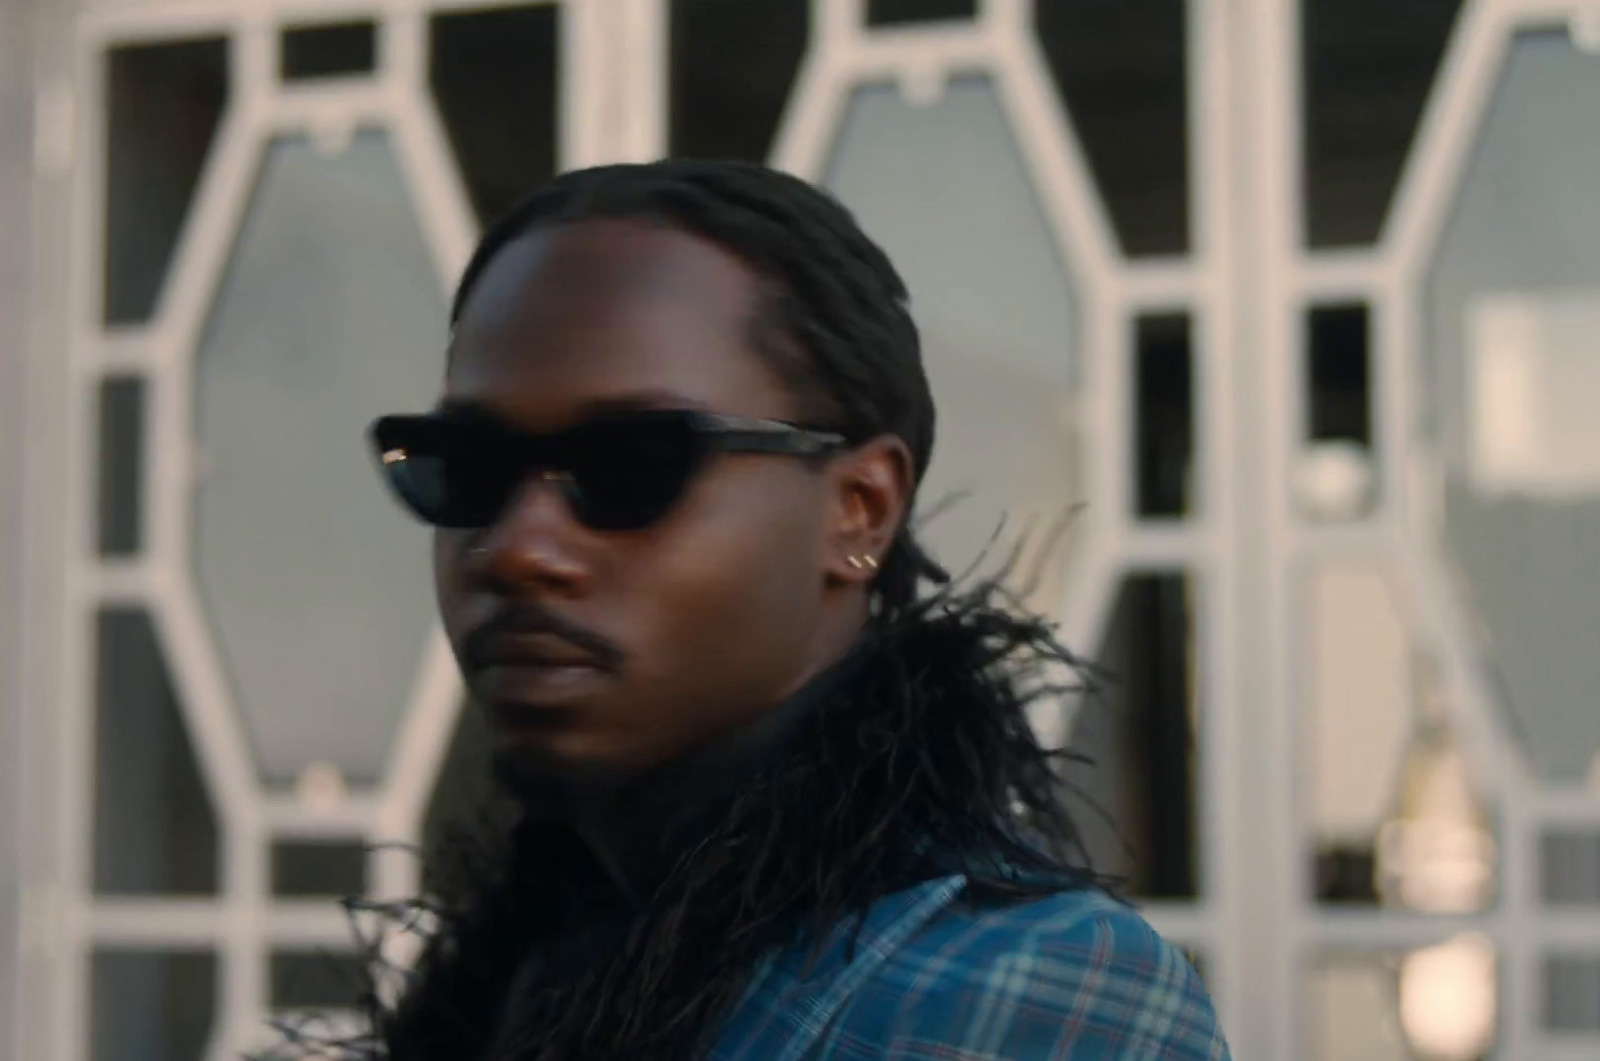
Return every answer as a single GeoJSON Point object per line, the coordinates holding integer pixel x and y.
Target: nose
{"type": "Point", "coordinates": [537, 542]}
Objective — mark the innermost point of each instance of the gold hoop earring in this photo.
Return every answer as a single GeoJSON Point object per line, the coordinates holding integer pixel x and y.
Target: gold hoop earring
{"type": "Point", "coordinates": [862, 563]}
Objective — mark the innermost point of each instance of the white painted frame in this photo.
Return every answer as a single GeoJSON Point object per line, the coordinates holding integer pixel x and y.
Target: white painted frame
{"type": "Point", "coordinates": [243, 923]}
{"type": "Point", "coordinates": [1247, 283]}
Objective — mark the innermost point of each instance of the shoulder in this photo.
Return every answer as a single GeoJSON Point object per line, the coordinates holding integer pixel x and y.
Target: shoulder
{"type": "Point", "coordinates": [1076, 973]}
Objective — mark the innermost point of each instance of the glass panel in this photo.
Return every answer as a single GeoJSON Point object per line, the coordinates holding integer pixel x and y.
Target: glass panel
{"type": "Point", "coordinates": [1335, 476]}
{"type": "Point", "coordinates": [163, 103]}
{"type": "Point", "coordinates": [1364, 94]}
{"type": "Point", "coordinates": [1164, 423]}
{"type": "Point", "coordinates": [1121, 70]}
{"type": "Point", "coordinates": [895, 12]}
{"type": "Point", "coordinates": [1138, 739]}
{"type": "Point", "coordinates": [328, 51]}
{"type": "Point", "coordinates": [1570, 868]}
{"type": "Point", "coordinates": [150, 1005]}
{"type": "Point", "coordinates": [314, 980]}
{"type": "Point", "coordinates": [733, 64]}
{"type": "Point", "coordinates": [1438, 1002]}
{"type": "Point", "coordinates": [1395, 815]}
{"type": "Point", "coordinates": [1513, 302]}
{"type": "Point", "coordinates": [154, 829]}
{"type": "Point", "coordinates": [1359, 719]}
{"type": "Point", "coordinates": [494, 75]}
{"type": "Point", "coordinates": [1572, 994]}
{"type": "Point", "coordinates": [318, 588]}
{"type": "Point", "coordinates": [1339, 374]}
{"type": "Point", "coordinates": [121, 465]}
{"type": "Point", "coordinates": [319, 868]}
{"type": "Point", "coordinates": [992, 299]}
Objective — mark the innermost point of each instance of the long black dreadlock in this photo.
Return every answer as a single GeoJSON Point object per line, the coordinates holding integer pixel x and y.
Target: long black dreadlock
{"type": "Point", "coordinates": [922, 764]}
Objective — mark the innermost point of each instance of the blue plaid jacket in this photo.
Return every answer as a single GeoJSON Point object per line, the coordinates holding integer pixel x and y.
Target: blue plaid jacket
{"type": "Point", "coordinates": [1072, 977]}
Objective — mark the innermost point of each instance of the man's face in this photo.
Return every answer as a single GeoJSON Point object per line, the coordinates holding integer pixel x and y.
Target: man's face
{"type": "Point", "coordinates": [673, 633]}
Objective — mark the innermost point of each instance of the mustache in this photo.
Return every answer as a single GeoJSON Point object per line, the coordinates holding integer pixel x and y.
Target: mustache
{"type": "Point", "coordinates": [524, 618]}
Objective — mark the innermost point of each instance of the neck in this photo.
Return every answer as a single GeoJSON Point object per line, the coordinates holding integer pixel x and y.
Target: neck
{"type": "Point", "coordinates": [636, 831]}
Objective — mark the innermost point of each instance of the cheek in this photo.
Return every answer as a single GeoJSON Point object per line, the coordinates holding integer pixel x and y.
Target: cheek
{"type": "Point", "coordinates": [735, 581]}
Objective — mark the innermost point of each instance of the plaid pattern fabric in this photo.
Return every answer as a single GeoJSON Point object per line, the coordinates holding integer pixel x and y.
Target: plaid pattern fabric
{"type": "Point", "coordinates": [1073, 977]}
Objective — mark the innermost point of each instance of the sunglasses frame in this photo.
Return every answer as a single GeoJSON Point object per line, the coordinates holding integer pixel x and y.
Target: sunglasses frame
{"type": "Point", "coordinates": [716, 433]}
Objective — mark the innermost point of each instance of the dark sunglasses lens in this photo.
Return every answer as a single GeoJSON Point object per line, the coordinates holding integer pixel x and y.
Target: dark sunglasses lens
{"type": "Point", "coordinates": [447, 479]}
{"type": "Point", "coordinates": [628, 472]}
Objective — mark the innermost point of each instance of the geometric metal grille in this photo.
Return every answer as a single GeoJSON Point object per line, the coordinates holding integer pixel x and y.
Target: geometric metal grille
{"type": "Point", "coordinates": [1173, 374]}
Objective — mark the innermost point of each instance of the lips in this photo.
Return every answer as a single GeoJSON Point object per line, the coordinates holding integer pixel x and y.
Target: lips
{"type": "Point", "coordinates": [535, 651]}
{"type": "Point", "coordinates": [529, 682]}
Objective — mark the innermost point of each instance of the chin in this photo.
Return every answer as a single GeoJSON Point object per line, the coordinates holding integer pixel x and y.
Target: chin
{"type": "Point", "coordinates": [537, 767]}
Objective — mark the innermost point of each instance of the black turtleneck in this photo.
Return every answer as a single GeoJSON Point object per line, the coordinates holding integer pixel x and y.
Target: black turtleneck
{"type": "Point", "coordinates": [612, 850]}
{"type": "Point", "coordinates": [637, 831]}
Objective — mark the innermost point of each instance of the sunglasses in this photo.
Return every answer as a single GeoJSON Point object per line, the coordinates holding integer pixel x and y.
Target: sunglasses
{"type": "Point", "coordinates": [618, 471]}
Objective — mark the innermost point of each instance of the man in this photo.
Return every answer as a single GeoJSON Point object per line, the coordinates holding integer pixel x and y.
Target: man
{"type": "Point", "coordinates": [777, 802]}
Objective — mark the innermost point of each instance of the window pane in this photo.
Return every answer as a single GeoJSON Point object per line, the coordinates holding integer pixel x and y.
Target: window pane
{"type": "Point", "coordinates": [1512, 368]}
{"type": "Point", "coordinates": [1369, 65]}
{"type": "Point", "coordinates": [1396, 815]}
{"type": "Point", "coordinates": [991, 297]}
{"type": "Point", "coordinates": [150, 1005]}
{"type": "Point", "coordinates": [1572, 994]}
{"type": "Point", "coordinates": [733, 64]}
{"type": "Point", "coordinates": [319, 868]}
{"type": "Point", "coordinates": [1121, 70]}
{"type": "Point", "coordinates": [154, 830]}
{"type": "Point", "coordinates": [1339, 376]}
{"type": "Point", "coordinates": [163, 104]}
{"type": "Point", "coordinates": [318, 588]}
{"type": "Point", "coordinates": [1138, 737]}
{"type": "Point", "coordinates": [328, 51]}
{"type": "Point", "coordinates": [1439, 1001]}
{"type": "Point", "coordinates": [315, 980]}
{"type": "Point", "coordinates": [1570, 868]}
{"type": "Point", "coordinates": [494, 75]}
{"type": "Point", "coordinates": [1164, 418]}
{"type": "Point", "coordinates": [121, 465]}
{"type": "Point", "coordinates": [895, 12]}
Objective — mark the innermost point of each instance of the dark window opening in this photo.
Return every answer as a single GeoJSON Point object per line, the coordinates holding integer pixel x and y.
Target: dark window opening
{"type": "Point", "coordinates": [1572, 993]}
{"type": "Point", "coordinates": [335, 50]}
{"type": "Point", "coordinates": [163, 105]}
{"type": "Point", "coordinates": [319, 869]}
{"type": "Point", "coordinates": [495, 75]}
{"type": "Point", "coordinates": [121, 465]}
{"type": "Point", "coordinates": [1570, 868]}
{"type": "Point", "coordinates": [1138, 735]}
{"type": "Point", "coordinates": [1164, 419]}
{"type": "Point", "coordinates": [900, 12]}
{"type": "Point", "coordinates": [315, 980]}
{"type": "Point", "coordinates": [1340, 401]}
{"type": "Point", "coordinates": [151, 1004]}
{"type": "Point", "coordinates": [155, 832]}
{"type": "Point", "coordinates": [1365, 90]}
{"type": "Point", "coordinates": [733, 66]}
{"type": "Point", "coordinates": [1346, 873]}
{"type": "Point", "coordinates": [1122, 72]}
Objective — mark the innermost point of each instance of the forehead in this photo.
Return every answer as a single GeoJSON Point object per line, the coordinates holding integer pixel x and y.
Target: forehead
{"type": "Point", "coordinates": [607, 311]}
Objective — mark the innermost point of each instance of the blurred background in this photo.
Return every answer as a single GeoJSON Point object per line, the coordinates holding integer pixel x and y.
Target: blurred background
{"type": "Point", "coordinates": [1290, 307]}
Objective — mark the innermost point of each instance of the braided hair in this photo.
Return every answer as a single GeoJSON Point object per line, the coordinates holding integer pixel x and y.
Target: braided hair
{"type": "Point", "coordinates": [835, 325]}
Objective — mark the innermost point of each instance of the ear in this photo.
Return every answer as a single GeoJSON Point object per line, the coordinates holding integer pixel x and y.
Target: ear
{"type": "Point", "coordinates": [872, 486]}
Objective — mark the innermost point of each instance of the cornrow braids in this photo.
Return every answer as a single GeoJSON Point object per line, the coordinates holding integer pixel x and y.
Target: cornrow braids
{"type": "Point", "coordinates": [837, 326]}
